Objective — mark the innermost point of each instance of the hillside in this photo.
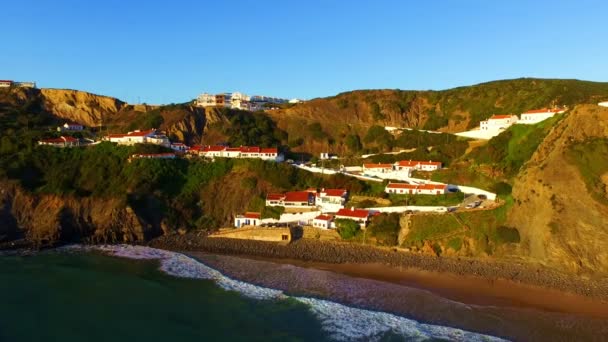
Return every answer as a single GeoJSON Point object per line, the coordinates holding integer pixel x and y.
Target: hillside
{"type": "Point", "coordinates": [561, 196]}
{"type": "Point", "coordinates": [452, 110]}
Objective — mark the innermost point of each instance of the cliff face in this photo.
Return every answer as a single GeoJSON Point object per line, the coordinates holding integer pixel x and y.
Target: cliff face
{"type": "Point", "coordinates": [47, 219]}
{"type": "Point", "coordinates": [79, 106]}
{"type": "Point", "coordinates": [560, 223]}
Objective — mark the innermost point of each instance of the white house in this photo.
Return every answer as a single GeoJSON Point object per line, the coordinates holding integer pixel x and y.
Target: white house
{"type": "Point", "coordinates": [416, 189]}
{"type": "Point", "coordinates": [70, 126]}
{"type": "Point", "coordinates": [60, 142]}
{"type": "Point", "coordinates": [498, 122]}
{"type": "Point", "coordinates": [603, 104]}
{"type": "Point", "coordinates": [179, 147]}
{"type": "Point", "coordinates": [407, 165]}
{"type": "Point", "coordinates": [271, 153]}
{"type": "Point", "coordinates": [292, 199]}
{"type": "Point", "coordinates": [235, 100]}
{"type": "Point", "coordinates": [140, 137]}
{"type": "Point", "coordinates": [360, 216]}
{"type": "Point", "coordinates": [322, 221]}
{"type": "Point", "coordinates": [5, 83]}
{"type": "Point", "coordinates": [331, 200]}
{"type": "Point", "coordinates": [378, 168]}
{"type": "Point", "coordinates": [249, 219]}
{"type": "Point", "coordinates": [537, 115]}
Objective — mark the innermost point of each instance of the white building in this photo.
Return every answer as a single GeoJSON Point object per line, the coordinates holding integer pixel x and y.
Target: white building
{"type": "Point", "coordinates": [408, 165]}
{"type": "Point", "coordinates": [236, 100]}
{"type": "Point", "coordinates": [179, 147]}
{"type": "Point", "coordinates": [249, 219]}
{"type": "Point", "coordinates": [271, 154]}
{"type": "Point", "coordinates": [5, 83]}
{"type": "Point", "coordinates": [416, 189]}
{"type": "Point", "coordinates": [70, 126]}
{"type": "Point", "coordinates": [9, 83]}
{"type": "Point", "coordinates": [377, 168]}
{"type": "Point", "coordinates": [498, 122]}
{"type": "Point", "coordinates": [537, 115]}
{"type": "Point", "coordinates": [603, 104]}
{"type": "Point", "coordinates": [331, 200]}
{"type": "Point", "coordinates": [140, 137]}
{"type": "Point", "coordinates": [292, 199]}
{"type": "Point", "coordinates": [360, 216]}
{"type": "Point", "coordinates": [323, 221]}
{"type": "Point", "coordinates": [60, 142]}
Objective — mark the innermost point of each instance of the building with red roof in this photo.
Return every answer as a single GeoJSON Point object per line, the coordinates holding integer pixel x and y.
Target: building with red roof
{"type": "Point", "coordinates": [150, 136]}
{"type": "Point", "coordinates": [416, 189]}
{"type": "Point", "coordinates": [63, 141]}
{"type": "Point", "coordinates": [408, 165]}
{"type": "Point", "coordinates": [323, 221]}
{"type": "Point", "coordinates": [360, 216]}
{"type": "Point", "coordinates": [248, 219]}
{"type": "Point", "coordinates": [241, 152]}
{"type": "Point", "coordinates": [294, 199]}
{"type": "Point", "coordinates": [537, 115]}
{"type": "Point", "coordinates": [498, 122]}
{"type": "Point", "coordinates": [5, 83]}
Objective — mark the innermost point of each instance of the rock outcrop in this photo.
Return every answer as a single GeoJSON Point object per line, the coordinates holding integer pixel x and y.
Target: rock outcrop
{"type": "Point", "coordinates": [79, 106]}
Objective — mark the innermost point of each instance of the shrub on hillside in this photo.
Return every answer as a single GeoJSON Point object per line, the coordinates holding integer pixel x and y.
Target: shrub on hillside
{"type": "Point", "coordinates": [385, 228]}
{"type": "Point", "coordinates": [347, 228]}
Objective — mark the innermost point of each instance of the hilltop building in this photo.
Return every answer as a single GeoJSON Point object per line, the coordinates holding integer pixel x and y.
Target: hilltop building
{"type": "Point", "coordinates": [9, 83]}
{"type": "Point", "coordinates": [140, 137]}
{"type": "Point", "coordinates": [236, 100]}
{"type": "Point", "coordinates": [360, 216]}
{"type": "Point", "coordinates": [603, 104]}
{"type": "Point", "coordinates": [400, 169]}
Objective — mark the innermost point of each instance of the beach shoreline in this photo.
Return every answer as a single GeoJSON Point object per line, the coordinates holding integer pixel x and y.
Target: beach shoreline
{"type": "Point", "coordinates": [470, 281]}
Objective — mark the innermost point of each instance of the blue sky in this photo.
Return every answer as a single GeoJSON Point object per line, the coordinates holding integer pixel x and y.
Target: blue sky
{"type": "Point", "coordinates": [170, 51]}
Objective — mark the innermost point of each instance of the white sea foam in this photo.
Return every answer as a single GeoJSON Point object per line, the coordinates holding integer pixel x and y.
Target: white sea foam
{"type": "Point", "coordinates": [341, 322]}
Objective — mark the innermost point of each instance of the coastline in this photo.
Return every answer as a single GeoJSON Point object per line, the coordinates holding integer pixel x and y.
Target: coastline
{"type": "Point", "coordinates": [494, 282]}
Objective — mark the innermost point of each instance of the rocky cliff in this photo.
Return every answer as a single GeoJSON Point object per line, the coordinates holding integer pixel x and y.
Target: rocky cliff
{"type": "Point", "coordinates": [46, 219]}
{"type": "Point", "coordinates": [560, 222]}
{"type": "Point", "coordinates": [79, 106]}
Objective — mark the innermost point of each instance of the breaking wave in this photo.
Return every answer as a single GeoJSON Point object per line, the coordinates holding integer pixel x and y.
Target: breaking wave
{"type": "Point", "coordinates": [341, 322]}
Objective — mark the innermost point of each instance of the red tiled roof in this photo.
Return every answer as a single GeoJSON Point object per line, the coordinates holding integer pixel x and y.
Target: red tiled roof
{"type": "Point", "coordinates": [401, 186]}
{"type": "Point", "coordinates": [274, 197]}
{"type": "Point", "coordinates": [378, 166]}
{"type": "Point", "coordinates": [357, 213]}
{"type": "Point", "coordinates": [334, 192]}
{"type": "Point", "coordinates": [498, 117]}
{"type": "Point", "coordinates": [324, 217]}
{"type": "Point", "coordinates": [432, 186]}
{"type": "Point", "coordinates": [269, 150]}
{"type": "Point", "coordinates": [6, 81]}
{"type": "Point", "coordinates": [542, 111]}
{"type": "Point", "coordinates": [413, 163]}
{"type": "Point", "coordinates": [141, 133]}
{"type": "Point", "coordinates": [297, 196]}
{"type": "Point", "coordinates": [213, 148]}
{"type": "Point", "coordinates": [59, 140]}
{"type": "Point", "coordinates": [232, 149]}
{"type": "Point", "coordinates": [250, 149]}
{"type": "Point", "coordinates": [252, 215]}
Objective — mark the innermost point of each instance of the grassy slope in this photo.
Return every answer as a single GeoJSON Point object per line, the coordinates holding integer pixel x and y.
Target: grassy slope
{"type": "Point", "coordinates": [451, 110]}
{"type": "Point", "coordinates": [591, 159]}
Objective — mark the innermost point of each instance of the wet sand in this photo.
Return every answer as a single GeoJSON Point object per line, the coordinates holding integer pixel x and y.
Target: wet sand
{"type": "Point", "coordinates": [466, 289]}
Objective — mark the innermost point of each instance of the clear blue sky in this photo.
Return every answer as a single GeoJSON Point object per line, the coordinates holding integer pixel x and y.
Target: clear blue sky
{"type": "Point", "coordinates": [170, 51]}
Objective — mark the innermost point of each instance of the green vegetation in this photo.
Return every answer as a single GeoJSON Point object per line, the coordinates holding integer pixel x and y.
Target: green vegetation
{"type": "Point", "coordinates": [273, 212]}
{"type": "Point", "coordinates": [455, 244]}
{"type": "Point", "coordinates": [446, 154]}
{"type": "Point", "coordinates": [252, 129]}
{"type": "Point", "coordinates": [347, 228]}
{"type": "Point", "coordinates": [380, 138]}
{"type": "Point", "coordinates": [147, 120]}
{"type": "Point", "coordinates": [591, 159]}
{"type": "Point", "coordinates": [385, 228]}
{"type": "Point", "coordinates": [508, 151]}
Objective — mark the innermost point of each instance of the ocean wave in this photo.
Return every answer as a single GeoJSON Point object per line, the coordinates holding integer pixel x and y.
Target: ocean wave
{"type": "Point", "coordinates": [341, 322]}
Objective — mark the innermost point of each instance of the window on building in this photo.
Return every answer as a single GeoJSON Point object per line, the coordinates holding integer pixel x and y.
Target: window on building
{"type": "Point", "coordinates": [284, 237]}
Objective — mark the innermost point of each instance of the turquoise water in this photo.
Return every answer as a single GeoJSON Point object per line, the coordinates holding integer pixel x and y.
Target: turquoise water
{"type": "Point", "coordinates": [80, 294]}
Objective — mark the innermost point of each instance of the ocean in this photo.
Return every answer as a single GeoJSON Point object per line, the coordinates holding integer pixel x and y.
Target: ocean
{"type": "Point", "coordinates": [130, 293]}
